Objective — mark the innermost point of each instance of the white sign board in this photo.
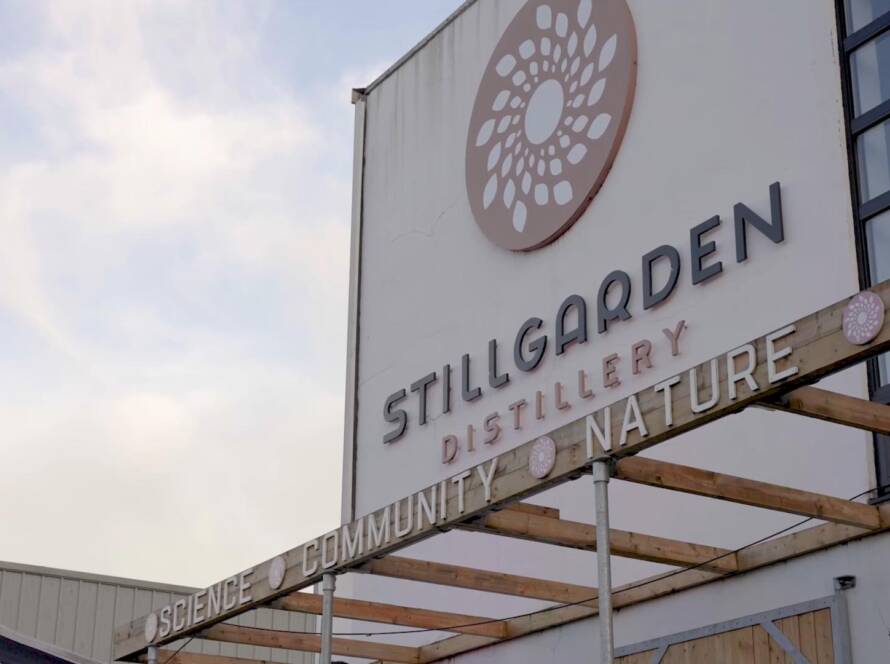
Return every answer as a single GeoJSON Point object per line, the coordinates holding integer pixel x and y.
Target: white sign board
{"type": "Point", "coordinates": [565, 201]}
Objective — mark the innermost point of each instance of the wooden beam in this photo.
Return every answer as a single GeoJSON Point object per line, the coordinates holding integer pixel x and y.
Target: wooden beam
{"type": "Point", "coordinates": [577, 535]}
{"type": "Point", "coordinates": [835, 407]}
{"type": "Point", "coordinates": [529, 508]}
{"type": "Point", "coordinates": [182, 657]}
{"type": "Point", "coordinates": [478, 579]}
{"type": "Point", "coordinates": [626, 595]}
{"type": "Point", "coordinates": [755, 557]}
{"type": "Point", "coordinates": [807, 349]}
{"type": "Point", "coordinates": [393, 615]}
{"type": "Point", "coordinates": [310, 643]}
{"type": "Point", "coordinates": [747, 492]}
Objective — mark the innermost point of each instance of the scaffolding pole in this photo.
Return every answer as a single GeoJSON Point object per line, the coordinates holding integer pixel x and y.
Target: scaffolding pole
{"type": "Point", "coordinates": [601, 472]}
{"type": "Point", "coordinates": [328, 584]}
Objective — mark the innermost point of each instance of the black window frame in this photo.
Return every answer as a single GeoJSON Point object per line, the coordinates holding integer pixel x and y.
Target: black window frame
{"type": "Point", "coordinates": [863, 212]}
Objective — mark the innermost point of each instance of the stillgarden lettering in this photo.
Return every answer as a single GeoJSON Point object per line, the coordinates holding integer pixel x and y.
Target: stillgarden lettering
{"type": "Point", "coordinates": [571, 327]}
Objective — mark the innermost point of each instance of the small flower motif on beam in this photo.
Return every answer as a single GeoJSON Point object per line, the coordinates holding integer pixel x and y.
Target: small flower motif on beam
{"type": "Point", "coordinates": [863, 318]}
{"type": "Point", "coordinates": [277, 568]}
{"type": "Point", "coordinates": [151, 627]}
{"type": "Point", "coordinates": [542, 458]}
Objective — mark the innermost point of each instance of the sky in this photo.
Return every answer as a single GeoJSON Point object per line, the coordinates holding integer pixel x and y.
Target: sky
{"type": "Point", "coordinates": [174, 205]}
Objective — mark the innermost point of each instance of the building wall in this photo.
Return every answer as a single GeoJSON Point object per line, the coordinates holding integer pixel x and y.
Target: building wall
{"type": "Point", "coordinates": [731, 96]}
{"type": "Point", "coordinates": [78, 612]}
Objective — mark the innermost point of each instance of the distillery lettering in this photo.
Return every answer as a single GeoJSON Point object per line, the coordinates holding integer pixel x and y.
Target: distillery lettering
{"type": "Point", "coordinates": [613, 301]}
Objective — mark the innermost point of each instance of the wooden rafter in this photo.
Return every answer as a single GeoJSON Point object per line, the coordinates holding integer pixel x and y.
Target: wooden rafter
{"type": "Point", "coordinates": [747, 492]}
{"type": "Point", "coordinates": [184, 657]}
{"type": "Point", "coordinates": [310, 643]}
{"type": "Point", "coordinates": [752, 558]}
{"type": "Point", "coordinates": [577, 535]}
{"type": "Point", "coordinates": [477, 579]}
{"type": "Point", "coordinates": [529, 508]}
{"type": "Point", "coordinates": [835, 407]}
{"type": "Point", "coordinates": [626, 595]}
{"type": "Point", "coordinates": [393, 615]}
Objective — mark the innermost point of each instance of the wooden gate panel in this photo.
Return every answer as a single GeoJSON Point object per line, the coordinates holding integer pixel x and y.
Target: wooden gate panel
{"type": "Point", "coordinates": [824, 638]}
{"type": "Point", "coordinates": [809, 633]}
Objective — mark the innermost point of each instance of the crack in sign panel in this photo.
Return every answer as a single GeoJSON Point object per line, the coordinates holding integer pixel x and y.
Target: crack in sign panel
{"type": "Point", "coordinates": [424, 233]}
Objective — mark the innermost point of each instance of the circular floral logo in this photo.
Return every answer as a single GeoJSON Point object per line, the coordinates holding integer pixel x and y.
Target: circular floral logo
{"type": "Point", "coordinates": [863, 318]}
{"type": "Point", "coordinates": [549, 117]}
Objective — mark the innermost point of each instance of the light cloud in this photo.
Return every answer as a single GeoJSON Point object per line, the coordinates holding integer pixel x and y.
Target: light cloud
{"type": "Point", "coordinates": [172, 280]}
{"type": "Point", "coordinates": [175, 183]}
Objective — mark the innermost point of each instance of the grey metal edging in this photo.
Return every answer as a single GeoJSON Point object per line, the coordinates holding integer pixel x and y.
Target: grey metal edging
{"type": "Point", "coordinates": [138, 584]}
{"type": "Point", "coordinates": [350, 414]}
{"type": "Point", "coordinates": [839, 626]}
{"type": "Point", "coordinates": [659, 654]}
{"type": "Point", "coordinates": [43, 646]}
{"type": "Point", "coordinates": [423, 42]}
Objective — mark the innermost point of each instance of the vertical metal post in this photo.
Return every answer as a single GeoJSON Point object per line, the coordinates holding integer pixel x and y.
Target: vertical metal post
{"type": "Point", "coordinates": [601, 472]}
{"type": "Point", "coordinates": [152, 655]}
{"type": "Point", "coordinates": [840, 620]}
{"type": "Point", "coordinates": [328, 584]}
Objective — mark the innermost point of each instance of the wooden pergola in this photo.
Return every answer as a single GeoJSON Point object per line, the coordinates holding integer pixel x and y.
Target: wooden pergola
{"type": "Point", "coordinates": [775, 371]}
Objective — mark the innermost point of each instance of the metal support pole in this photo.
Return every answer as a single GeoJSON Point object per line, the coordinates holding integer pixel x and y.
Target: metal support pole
{"type": "Point", "coordinates": [152, 655]}
{"type": "Point", "coordinates": [601, 472]}
{"type": "Point", "coordinates": [840, 620]}
{"type": "Point", "coordinates": [328, 584]}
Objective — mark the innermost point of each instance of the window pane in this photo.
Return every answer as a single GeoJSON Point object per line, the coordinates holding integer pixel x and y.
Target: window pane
{"type": "Point", "coordinates": [873, 155]}
{"type": "Point", "coordinates": [882, 465]}
{"type": "Point", "coordinates": [862, 12]}
{"type": "Point", "coordinates": [870, 67]}
{"type": "Point", "coordinates": [877, 233]}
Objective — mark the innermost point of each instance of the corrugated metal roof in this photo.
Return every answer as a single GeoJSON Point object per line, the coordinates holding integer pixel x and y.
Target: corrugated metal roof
{"type": "Point", "coordinates": [77, 612]}
{"type": "Point", "coordinates": [16, 648]}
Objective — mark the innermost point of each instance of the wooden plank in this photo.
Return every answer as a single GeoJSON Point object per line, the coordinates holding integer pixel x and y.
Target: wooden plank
{"type": "Point", "coordinates": [776, 652]}
{"type": "Point", "coordinates": [808, 648]}
{"type": "Point", "coordinates": [577, 535]}
{"type": "Point", "coordinates": [804, 541]}
{"type": "Point", "coordinates": [747, 492]}
{"type": "Point", "coordinates": [739, 646]}
{"type": "Point", "coordinates": [761, 645]}
{"type": "Point", "coordinates": [676, 654]}
{"type": "Point", "coordinates": [835, 407]}
{"type": "Point", "coordinates": [824, 639]}
{"type": "Point", "coordinates": [393, 615]}
{"type": "Point", "coordinates": [817, 348]}
{"type": "Point", "coordinates": [703, 651]}
{"type": "Point", "coordinates": [478, 579]}
{"type": "Point", "coordinates": [172, 657]}
{"type": "Point", "coordinates": [310, 643]}
{"type": "Point", "coordinates": [538, 510]}
{"type": "Point", "coordinates": [790, 628]}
